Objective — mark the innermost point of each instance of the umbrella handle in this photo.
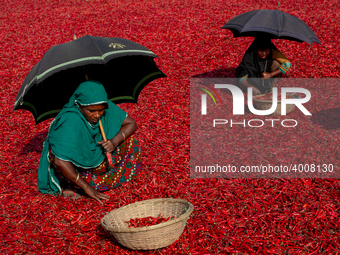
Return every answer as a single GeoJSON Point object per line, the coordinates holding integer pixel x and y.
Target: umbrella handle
{"type": "Point", "coordinates": [109, 156]}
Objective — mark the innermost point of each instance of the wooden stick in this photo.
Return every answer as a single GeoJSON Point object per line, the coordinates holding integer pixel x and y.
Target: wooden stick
{"type": "Point", "coordinates": [109, 156]}
{"type": "Point", "coordinates": [102, 129]}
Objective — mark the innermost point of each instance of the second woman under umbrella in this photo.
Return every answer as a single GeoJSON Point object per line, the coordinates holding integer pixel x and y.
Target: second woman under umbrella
{"type": "Point", "coordinates": [261, 64]}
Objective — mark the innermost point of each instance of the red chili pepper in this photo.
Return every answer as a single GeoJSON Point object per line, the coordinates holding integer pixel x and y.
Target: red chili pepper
{"type": "Point", "coordinates": [147, 221]}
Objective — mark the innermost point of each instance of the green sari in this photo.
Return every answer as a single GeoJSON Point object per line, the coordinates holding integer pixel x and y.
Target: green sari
{"type": "Point", "coordinates": [72, 138]}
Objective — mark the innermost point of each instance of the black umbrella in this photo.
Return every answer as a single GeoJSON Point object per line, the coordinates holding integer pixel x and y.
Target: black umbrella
{"type": "Point", "coordinates": [122, 66]}
{"type": "Point", "coordinates": [274, 24]}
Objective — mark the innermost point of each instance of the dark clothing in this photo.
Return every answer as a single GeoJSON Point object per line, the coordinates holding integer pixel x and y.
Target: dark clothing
{"type": "Point", "coordinates": [253, 66]}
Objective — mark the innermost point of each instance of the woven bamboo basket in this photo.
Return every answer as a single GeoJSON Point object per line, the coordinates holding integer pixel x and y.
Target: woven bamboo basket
{"type": "Point", "coordinates": [261, 104]}
{"type": "Point", "coordinates": [151, 237]}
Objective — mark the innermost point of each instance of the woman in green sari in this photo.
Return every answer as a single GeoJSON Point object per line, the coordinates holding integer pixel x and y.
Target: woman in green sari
{"type": "Point", "coordinates": [74, 153]}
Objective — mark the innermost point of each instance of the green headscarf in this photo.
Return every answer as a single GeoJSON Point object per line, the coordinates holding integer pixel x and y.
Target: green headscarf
{"type": "Point", "coordinates": [72, 138]}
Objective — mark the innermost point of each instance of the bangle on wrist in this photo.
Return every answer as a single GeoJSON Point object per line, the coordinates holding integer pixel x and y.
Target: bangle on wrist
{"type": "Point", "coordinates": [123, 135]}
{"type": "Point", "coordinates": [77, 177]}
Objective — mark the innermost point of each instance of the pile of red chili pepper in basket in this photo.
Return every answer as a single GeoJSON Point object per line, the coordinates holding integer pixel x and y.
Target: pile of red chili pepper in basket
{"type": "Point", "coordinates": [147, 221]}
{"type": "Point", "coordinates": [269, 96]}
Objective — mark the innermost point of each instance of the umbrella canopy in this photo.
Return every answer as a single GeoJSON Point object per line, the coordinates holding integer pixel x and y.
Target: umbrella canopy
{"type": "Point", "coordinates": [271, 23]}
{"type": "Point", "coordinates": [122, 66]}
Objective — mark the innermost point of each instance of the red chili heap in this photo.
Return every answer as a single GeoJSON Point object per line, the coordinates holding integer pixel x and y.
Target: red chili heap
{"type": "Point", "coordinates": [147, 221]}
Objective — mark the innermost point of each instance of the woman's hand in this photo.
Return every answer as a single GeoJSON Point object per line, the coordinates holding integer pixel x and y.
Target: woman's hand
{"type": "Point", "coordinates": [244, 84]}
{"type": "Point", "coordinates": [272, 74]}
{"type": "Point", "coordinates": [95, 194]}
{"type": "Point", "coordinates": [266, 75]}
{"type": "Point", "coordinates": [256, 91]}
{"type": "Point", "coordinates": [108, 146]}
{"type": "Point", "coordinates": [128, 127]}
{"type": "Point", "coordinates": [68, 170]}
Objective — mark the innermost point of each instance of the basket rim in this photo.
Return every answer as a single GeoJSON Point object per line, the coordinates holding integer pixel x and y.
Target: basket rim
{"type": "Point", "coordinates": [182, 217]}
{"type": "Point", "coordinates": [267, 100]}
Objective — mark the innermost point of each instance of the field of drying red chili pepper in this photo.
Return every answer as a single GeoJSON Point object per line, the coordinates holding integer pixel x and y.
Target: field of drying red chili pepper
{"type": "Point", "coordinates": [250, 216]}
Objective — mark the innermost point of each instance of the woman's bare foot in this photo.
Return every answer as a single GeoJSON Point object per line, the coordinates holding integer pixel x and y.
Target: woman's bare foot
{"type": "Point", "coordinates": [70, 193]}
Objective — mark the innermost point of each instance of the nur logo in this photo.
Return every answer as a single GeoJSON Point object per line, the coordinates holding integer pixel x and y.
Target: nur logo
{"type": "Point", "coordinates": [238, 100]}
